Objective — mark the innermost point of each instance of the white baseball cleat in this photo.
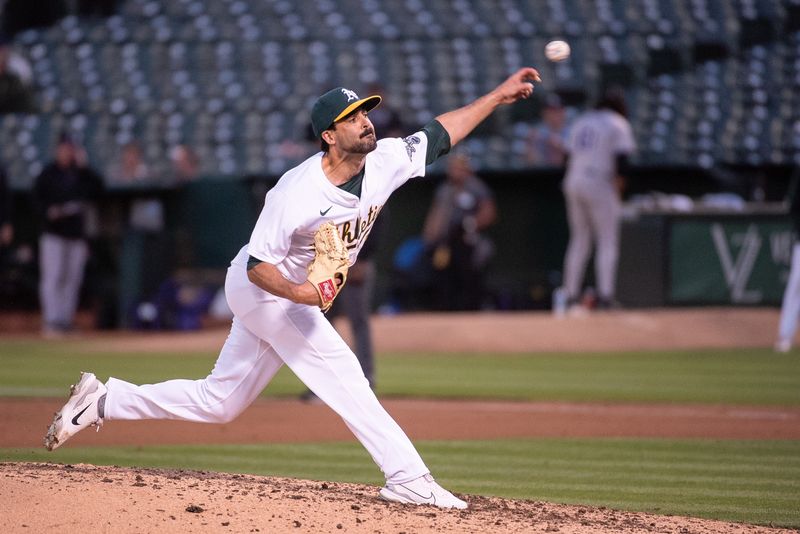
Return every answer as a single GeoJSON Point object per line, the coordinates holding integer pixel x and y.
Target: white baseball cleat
{"type": "Point", "coordinates": [80, 411]}
{"type": "Point", "coordinates": [422, 490]}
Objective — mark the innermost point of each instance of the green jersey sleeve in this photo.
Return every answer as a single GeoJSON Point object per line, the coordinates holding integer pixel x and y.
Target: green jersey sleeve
{"type": "Point", "coordinates": [438, 141]}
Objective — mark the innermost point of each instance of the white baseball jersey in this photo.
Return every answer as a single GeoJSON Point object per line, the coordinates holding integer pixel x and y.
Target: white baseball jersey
{"type": "Point", "coordinates": [593, 204]}
{"type": "Point", "coordinates": [304, 198]}
{"type": "Point", "coordinates": [595, 140]}
{"type": "Point", "coordinates": [268, 330]}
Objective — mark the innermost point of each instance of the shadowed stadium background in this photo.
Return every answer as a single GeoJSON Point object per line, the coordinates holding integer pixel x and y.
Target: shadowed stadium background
{"type": "Point", "coordinates": [710, 86]}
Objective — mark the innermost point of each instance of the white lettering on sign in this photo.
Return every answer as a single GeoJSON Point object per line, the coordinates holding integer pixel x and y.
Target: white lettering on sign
{"type": "Point", "coordinates": [737, 271]}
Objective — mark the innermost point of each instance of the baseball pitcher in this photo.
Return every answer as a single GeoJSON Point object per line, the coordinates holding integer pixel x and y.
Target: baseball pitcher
{"type": "Point", "coordinates": [313, 224]}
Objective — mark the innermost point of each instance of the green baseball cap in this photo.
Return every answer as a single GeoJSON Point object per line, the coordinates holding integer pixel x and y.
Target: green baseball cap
{"type": "Point", "coordinates": [335, 105]}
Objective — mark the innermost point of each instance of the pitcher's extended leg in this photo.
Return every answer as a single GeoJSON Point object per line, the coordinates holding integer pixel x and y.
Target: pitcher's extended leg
{"type": "Point", "coordinates": [319, 357]}
{"type": "Point", "coordinates": [244, 368]}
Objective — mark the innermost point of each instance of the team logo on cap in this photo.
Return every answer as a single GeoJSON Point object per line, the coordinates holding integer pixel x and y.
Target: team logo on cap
{"type": "Point", "coordinates": [351, 95]}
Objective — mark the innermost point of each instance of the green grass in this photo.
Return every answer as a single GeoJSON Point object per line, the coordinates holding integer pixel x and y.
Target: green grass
{"type": "Point", "coordinates": [744, 376]}
{"type": "Point", "coordinates": [750, 481]}
{"type": "Point", "coordinates": [747, 481]}
{"type": "Point", "coordinates": [724, 377]}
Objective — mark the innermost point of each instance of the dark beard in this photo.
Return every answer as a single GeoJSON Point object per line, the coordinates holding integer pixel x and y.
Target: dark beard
{"type": "Point", "coordinates": [365, 145]}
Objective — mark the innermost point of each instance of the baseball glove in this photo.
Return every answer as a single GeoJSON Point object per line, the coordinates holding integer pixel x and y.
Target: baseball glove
{"type": "Point", "coordinates": [327, 272]}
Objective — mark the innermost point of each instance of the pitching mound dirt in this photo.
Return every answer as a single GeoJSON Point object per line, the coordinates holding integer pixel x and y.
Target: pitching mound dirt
{"type": "Point", "coordinates": [83, 498]}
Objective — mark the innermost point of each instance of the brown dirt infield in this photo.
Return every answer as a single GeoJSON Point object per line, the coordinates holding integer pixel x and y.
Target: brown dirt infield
{"type": "Point", "coordinates": [291, 421]}
{"type": "Point", "coordinates": [39, 497]}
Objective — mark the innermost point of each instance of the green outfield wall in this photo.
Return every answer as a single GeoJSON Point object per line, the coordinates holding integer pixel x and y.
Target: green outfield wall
{"type": "Point", "coordinates": [738, 259]}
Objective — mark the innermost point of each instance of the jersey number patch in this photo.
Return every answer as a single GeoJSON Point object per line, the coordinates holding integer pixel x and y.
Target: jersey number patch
{"type": "Point", "coordinates": [586, 138]}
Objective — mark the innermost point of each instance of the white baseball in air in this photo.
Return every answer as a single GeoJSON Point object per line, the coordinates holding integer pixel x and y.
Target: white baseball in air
{"type": "Point", "coordinates": [556, 51]}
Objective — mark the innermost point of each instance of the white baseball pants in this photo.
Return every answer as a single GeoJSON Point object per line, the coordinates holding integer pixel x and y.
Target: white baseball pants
{"type": "Point", "coordinates": [267, 332]}
{"type": "Point", "coordinates": [790, 307]}
{"type": "Point", "coordinates": [61, 264]}
{"type": "Point", "coordinates": [593, 212]}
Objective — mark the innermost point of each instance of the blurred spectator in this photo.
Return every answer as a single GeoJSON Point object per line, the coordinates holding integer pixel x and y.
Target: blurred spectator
{"type": "Point", "coordinates": [63, 193]}
{"type": "Point", "coordinates": [18, 280]}
{"type": "Point", "coordinates": [15, 97]}
{"type": "Point", "coordinates": [547, 140]}
{"type": "Point", "coordinates": [185, 164]}
{"type": "Point", "coordinates": [146, 212]}
{"type": "Point", "coordinates": [146, 252]}
{"type": "Point", "coordinates": [17, 64]}
{"type": "Point", "coordinates": [790, 307]}
{"type": "Point", "coordinates": [6, 230]}
{"type": "Point", "coordinates": [599, 144]}
{"type": "Point", "coordinates": [463, 207]}
{"type": "Point", "coordinates": [130, 168]}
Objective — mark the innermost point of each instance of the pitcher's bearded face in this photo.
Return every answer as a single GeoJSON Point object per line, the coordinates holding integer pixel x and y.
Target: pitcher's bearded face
{"type": "Point", "coordinates": [356, 134]}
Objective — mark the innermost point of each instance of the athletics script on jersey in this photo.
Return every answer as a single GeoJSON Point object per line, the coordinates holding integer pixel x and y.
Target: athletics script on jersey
{"type": "Point", "coordinates": [354, 233]}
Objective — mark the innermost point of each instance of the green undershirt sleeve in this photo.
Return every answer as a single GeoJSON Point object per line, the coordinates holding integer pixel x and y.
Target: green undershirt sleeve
{"type": "Point", "coordinates": [438, 141]}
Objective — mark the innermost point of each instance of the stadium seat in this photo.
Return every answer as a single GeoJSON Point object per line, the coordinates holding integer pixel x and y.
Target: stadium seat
{"type": "Point", "coordinates": [694, 70]}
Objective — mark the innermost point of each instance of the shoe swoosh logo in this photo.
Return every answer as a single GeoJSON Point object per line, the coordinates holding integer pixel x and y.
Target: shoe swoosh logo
{"type": "Point", "coordinates": [430, 498]}
{"type": "Point", "coordinates": [323, 213]}
{"type": "Point", "coordinates": [75, 419]}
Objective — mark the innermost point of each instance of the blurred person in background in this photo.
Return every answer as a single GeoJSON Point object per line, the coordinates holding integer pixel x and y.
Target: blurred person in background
{"type": "Point", "coordinates": [130, 168]}
{"type": "Point", "coordinates": [790, 307]}
{"type": "Point", "coordinates": [548, 139]}
{"type": "Point", "coordinates": [63, 193]}
{"type": "Point", "coordinates": [6, 229]}
{"type": "Point", "coordinates": [16, 63]}
{"type": "Point", "coordinates": [130, 171]}
{"type": "Point", "coordinates": [185, 164]}
{"type": "Point", "coordinates": [600, 142]}
{"type": "Point", "coordinates": [185, 170]}
{"type": "Point", "coordinates": [15, 96]}
{"type": "Point", "coordinates": [463, 208]}
{"type": "Point", "coordinates": [145, 258]}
